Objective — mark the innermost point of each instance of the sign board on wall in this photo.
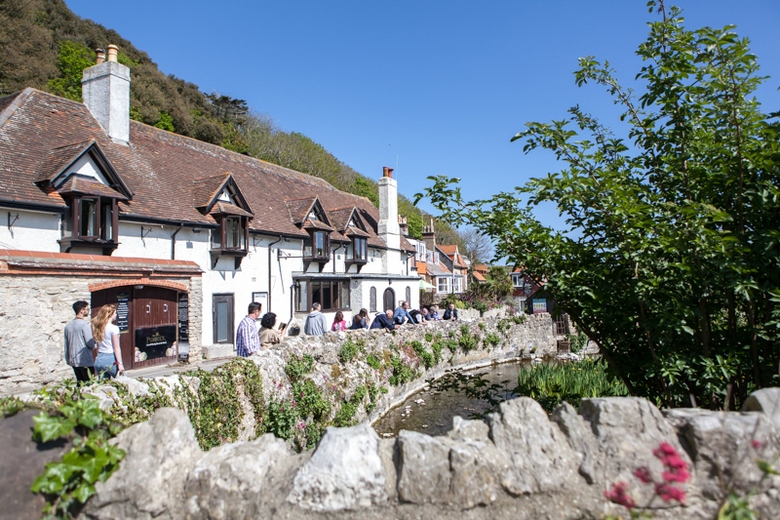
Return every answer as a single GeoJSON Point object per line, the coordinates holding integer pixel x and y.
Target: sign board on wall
{"type": "Point", "coordinates": [123, 311]}
{"type": "Point", "coordinates": [184, 317]}
{"type": "Point", "coordinates": [156, 342]}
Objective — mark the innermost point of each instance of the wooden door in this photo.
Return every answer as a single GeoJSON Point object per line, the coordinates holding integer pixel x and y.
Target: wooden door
{"type": "Point", "coordinates": [154, 324]}
{"type": "Point", "coordinates": [388, 300]}
{"type": "Point", "coordinates": [119, 296]}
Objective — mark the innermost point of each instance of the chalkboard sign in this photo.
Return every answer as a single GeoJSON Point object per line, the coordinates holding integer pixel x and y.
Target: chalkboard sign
{"type": "Point", "coordinates": [184, 317]}
{"type": "Point", "coordinates": [123, 311]}
{"type": "Point", "coordinates": [155, 341]}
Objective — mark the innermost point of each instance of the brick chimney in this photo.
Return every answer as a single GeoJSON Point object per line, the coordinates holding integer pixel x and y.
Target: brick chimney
{"type": "Point", "coordinates": [105, 89]}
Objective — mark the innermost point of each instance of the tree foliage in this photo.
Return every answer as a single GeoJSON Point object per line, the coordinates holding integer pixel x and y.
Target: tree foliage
{"type": "Point", "coordinates": [671, 262]}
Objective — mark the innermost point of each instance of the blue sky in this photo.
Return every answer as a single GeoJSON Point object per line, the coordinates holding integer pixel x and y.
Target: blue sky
{"type": "Point", "coordinates": [426, 87]}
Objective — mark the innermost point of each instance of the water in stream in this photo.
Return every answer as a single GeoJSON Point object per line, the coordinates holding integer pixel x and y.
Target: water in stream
{"type": "Point", "coordinates": [431, 410]}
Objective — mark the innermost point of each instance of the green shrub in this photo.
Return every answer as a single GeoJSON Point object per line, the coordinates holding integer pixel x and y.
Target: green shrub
{"type": "Point", "coordinates": [373, 361]}
{"type": "Point", "coordinates": [577, 341]}
{"type": "Point", "coordinates": [402, 373]}
{"type": "Point", "coordinates": [550, 384]}
{"type": "Point", "coordinates": [349, 350]}
{"type": "Point", "coordinates": [297, 367]}
{"type": "Point", "coordinates": [309, 401]}
{"type": "Point", "coordinates": [428, 337]}
{"type": "Point", "coordinates": [281, 418]}
{"type": "Point", "coordinates": [426, 357]}
{"type": "Point", "coordinates": [492, 339]}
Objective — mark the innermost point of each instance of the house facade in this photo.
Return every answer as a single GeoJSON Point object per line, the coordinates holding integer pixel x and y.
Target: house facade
{"type": "Point", "coordinates": [181, 235]}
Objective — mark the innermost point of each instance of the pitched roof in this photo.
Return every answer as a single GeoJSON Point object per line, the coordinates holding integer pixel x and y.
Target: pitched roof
{"type": "Point", "coordinates": [88, 186]}
{"type": "Point", "coordinates": [161, 169]}
{"type": "Point", "coordinates": [452, 252]}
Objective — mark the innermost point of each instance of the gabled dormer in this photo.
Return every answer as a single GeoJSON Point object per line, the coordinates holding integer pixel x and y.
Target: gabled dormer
{"type": "Point", "coordinates": [81, 174]}
{"type": "Point", "coordinates": [220, 198]}
{"type": "Point", "coordinates": [350, 224]}
{"type": "Point", "coordinates": [309, 215]}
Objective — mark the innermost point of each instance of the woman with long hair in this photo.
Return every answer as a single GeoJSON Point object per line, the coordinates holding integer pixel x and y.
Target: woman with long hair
{"type": "Point", "coordinates": [338, 322]}
{"type": "Point", "coordinates": [360, 320]}
{"type": "Point", "coordinates": [109, 358]}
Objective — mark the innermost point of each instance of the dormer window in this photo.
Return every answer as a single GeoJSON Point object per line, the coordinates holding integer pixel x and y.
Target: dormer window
{"type": "Point", "coordinates": [231, 236]}
{"type": "Point", "coordinates": [357, 251]}
{"type": "Point", "coordinates": [93, 222]}
{"type": "Point", "coordinates": [316, 248]}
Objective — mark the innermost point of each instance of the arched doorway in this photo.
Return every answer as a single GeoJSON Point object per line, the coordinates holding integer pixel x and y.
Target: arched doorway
{"type": "Point", "coordinates": [388, 299]}
{"type": "Point", "coordinates": [147, 317]}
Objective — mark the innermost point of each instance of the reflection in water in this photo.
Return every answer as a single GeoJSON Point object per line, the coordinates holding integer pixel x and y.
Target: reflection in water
{"type": "Point", "coordinates": [467, 394]}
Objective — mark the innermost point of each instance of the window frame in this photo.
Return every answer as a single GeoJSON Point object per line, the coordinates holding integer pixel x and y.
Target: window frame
{"type": "Point", "coordinates": [310, 243]}
{"type": "Point", "coordinates": [352, 257]}
{"type": "Point", "coordinates": [104, 229]}
{"type": "Point", "coordinates": [309, 290]}
{"type": "Point", "coordinates": [243, 225]}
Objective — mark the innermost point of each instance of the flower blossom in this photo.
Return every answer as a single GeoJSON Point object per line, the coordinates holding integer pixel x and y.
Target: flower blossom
{"type": "Point", "coordinates": [618, 495]}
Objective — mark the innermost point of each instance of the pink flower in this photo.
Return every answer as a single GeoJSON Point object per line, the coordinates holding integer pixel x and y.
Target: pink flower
{"type": "Point", "coordinates": [756, 444]}
{"type": "Point", "coordinates": [664, 450]}
{"type": "Point", "coordinates": [680, 475]}
{"type": "Point", "coordinates": [668, 493]}
{"type": "Point", "coordinates": [618, 495]}
{"type": "Point", "coordinates": [643, 474]}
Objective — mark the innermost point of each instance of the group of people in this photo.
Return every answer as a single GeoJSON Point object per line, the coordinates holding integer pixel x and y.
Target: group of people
{"type": "Point", "coordinates": [316, 323]}
{"type": "Point", "coordinates": [101, 334]}
{"type": "Point", "coordinates": [83, 336]}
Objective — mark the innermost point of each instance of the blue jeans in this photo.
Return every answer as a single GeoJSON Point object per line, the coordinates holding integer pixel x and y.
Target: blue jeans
{"type": "Point", "coordinates": [105, 367]}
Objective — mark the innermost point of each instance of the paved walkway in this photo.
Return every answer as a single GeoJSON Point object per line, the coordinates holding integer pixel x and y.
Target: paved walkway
{"type": "Point", "coordinates": [175, 368]}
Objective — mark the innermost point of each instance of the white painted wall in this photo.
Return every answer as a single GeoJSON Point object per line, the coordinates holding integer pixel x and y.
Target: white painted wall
{"type": "Point", "coordinates": [33, 231]}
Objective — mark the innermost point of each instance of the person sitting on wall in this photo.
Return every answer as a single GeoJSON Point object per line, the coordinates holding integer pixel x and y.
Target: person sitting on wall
{"type": "Point", "coordinates": [247, 339]}
{"type": "Point", "coordinates": [339, 323]}
{"type": "Point", "coordinates": [384, 321]}
{"type": "Point", "coordinates": [451, 313]}
{"type": "Point", "coordinates": [424, 314]}
{"type": "Point", "coordinates": [401, 315]}
{"type": "Point", "coordinates": [316, 324]}
{"type": "Point", "coordinates": [360, 320]}
{"type": "Point", "coordinates": [268, 334]}
{"type": "Point", "coordinates": [79, 342]}
{"type": "Point", "coordinates": [434, 313]}
{"type": "Point", "coordinates": [417, 316]}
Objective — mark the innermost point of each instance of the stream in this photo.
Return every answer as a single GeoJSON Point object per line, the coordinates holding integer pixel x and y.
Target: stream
{"type": "Point", "coordinates": [469, 394]}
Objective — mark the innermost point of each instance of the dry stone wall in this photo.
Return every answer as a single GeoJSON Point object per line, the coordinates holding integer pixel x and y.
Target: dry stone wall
{"type": "Point", "coordinates": [522, 464]}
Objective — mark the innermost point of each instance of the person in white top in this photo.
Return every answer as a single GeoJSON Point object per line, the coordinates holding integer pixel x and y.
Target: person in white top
{"type": "Point", "coordinates": [109, 358]}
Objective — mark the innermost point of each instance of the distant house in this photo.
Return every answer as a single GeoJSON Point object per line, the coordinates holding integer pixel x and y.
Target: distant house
{"type": "Point", "coordinates": [479, 273]}
{"type": "Point", "coordinates": [441, 267]}
{"type": "Point", "coordinates": [181, 235]}
{"type": "Point", "coordinates": [530, 293]}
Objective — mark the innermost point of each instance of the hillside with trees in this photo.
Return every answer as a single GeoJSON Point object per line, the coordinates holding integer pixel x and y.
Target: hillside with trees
{"type": "Point", "coordinates": [44, 45]}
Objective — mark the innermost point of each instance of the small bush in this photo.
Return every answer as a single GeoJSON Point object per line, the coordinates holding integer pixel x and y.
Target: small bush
{"type": "Point", "coordinates": [373, 362]}
{"type": "Point", "coordinates": [492, 339]}
{"type": "Point", "coordinates": [349, 350]}
{"type": "Point", "coordinates": [297, 367]}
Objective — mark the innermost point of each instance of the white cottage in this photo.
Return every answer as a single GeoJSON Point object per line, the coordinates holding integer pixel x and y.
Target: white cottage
{"type": "Point", "coordinates": [182, 235]}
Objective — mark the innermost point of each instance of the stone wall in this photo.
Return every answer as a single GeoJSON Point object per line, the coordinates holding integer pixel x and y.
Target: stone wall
{"type": "Point", "coordinates": [34, 310]}
{"type": "Point", "coordinates": [521, 464]}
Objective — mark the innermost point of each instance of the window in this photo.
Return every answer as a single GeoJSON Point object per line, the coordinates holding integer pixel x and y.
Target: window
{"type": "Point", "coordinates": [443, 285]}
{"type": "Point", "coordinates": [222, 310]}
{"type": "Point", "coordinates": [517, 280]}
{"type": "Point", "coordinates": [332, 294]}
{"type": "Point", "coordinates": [231, 235]}
{"type": "Point", "coordinates": [92, 222]}
{"type": "Point", "coordinates": [317, 246]}
{"type": "Point", "coordinates": [409, 295]}
{"type": "Point", "coordinates": [457, 284]}
{"type": "Point", "coordinates": [357, 251]}
{"type": "Point", "coordinates": [372, 299]}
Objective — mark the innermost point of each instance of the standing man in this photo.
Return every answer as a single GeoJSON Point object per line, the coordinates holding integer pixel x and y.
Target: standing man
{"type": "Point", "coordinates": [401, 314]}
{"type": "Point", "coordinates": [316, 324]}
{"type": "Point", "coordinates": [247, 339]}
{"type": "Point", "coordinates": [451, 313]}
{"type": "Point", "coordinates": [79, 342]}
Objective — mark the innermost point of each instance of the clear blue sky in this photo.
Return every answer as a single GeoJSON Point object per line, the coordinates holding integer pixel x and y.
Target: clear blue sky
{"type": "Point", "coordinates": [426, 87]}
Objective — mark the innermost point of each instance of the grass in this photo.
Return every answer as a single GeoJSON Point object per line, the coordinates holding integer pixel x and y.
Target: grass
{"type": "Point", "coordinates": [551, 384]}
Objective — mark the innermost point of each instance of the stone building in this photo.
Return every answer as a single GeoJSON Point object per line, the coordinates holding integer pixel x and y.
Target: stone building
{"type": "Point", "coordinates": [182, 235]}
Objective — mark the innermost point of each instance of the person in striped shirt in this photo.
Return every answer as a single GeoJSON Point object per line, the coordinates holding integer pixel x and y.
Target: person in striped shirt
{"type": "Point", "coordinates": [247, 339]}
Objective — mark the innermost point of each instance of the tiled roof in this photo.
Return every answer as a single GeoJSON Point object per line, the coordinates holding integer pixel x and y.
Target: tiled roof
{"type": "Point", "coordinates": [59, 158]}
{"type": "Point", "coordinates": [206, 189]}
{"type": "Point", "coordinates": [478, 276]}
{"type": "Point", "coordinates": [438, 269]}
{"type": "Point", "coordinates": [161, 169]}
{"type": "Point", "coordinates": [452, 252]}
{"type": "Point", "coordinates": [226, 208]}
{"type": "Point", "coordinates": [88, 186]}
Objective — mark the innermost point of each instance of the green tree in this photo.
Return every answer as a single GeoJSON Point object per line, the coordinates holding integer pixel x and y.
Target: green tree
{"type": "Point", "coordinates": [671, 259]}
{"type": "Point", "coordinates": [72, 59]}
